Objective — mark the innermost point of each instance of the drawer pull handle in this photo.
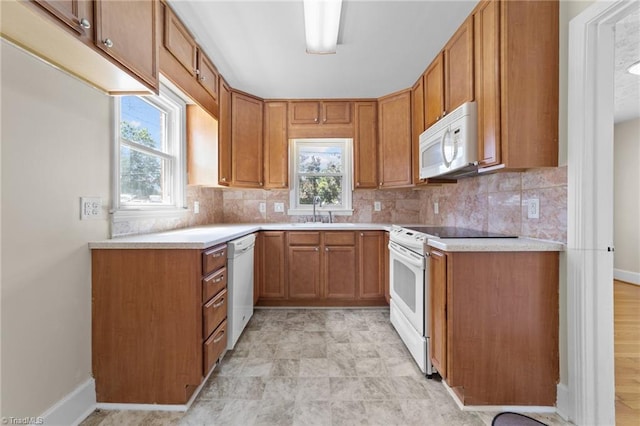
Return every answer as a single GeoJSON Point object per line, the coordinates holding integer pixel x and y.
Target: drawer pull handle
{"type": "Point", "coordinates": [217, 305]}
{"type": "Point", "coordinates": [218, 254]}
{"type": "Point", "coordinates": [217, 280]}
{"type": "Point", "coordinates": [217, 339]}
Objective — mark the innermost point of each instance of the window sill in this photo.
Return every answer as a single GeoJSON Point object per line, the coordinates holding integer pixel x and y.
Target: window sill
{"type": "Point", "coordinates": [320, 212]}
{"type": "Point", "coordinates": [132, 214]}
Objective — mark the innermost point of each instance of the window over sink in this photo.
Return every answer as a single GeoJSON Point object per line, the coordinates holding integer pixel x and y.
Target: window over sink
{"type": "Point", "coordinates": [321, 169]}
{"type": "Point", "coordinates": [149, 154]}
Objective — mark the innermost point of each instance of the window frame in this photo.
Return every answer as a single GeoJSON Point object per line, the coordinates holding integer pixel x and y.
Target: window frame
{"type": "Point", "coordinates": [174, 106]}
{"type": "Point", "coordinates": [347, 173]}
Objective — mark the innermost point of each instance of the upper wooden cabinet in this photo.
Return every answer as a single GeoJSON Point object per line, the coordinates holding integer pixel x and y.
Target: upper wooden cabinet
{"type": "Point", "coordinates": [449, 78]}
{"type": "Point", "coordinates": [207, 75]}
{"type": "Point", "coordinates": [417, 126]}
{"type": "Point", "coordinates": [517, 101]}
{"type": "Point", "coordinates": [246, 141]}
{"type": "Point", "coordinates": [394, 131]}
{"type": "Point", "coordinates": [224, 135]}
{"type": "Point", "coordinates": [320, 112]}
{"type": "Point", "coordinates": [77, 15]}
{"type": "Point", "coordinates": [126, 31]}
{"type": "Point", "coordinates": [276, 145]}
{"type": "Point", "coordinates": [202, 147]}
{"type": "Point", "coordinates": [180, 43]}
{"type": "Point", "coordinates": [365, 145]}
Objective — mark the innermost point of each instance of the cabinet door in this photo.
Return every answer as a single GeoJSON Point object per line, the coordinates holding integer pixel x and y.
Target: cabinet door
{"type": "Point", "coordinates": [246, 141]}
{"type": "Point", "coordinates": [487, 81]}
{"type": "Point", "coordinates": [339, 272]}
{"type": "Point", "coordinates": [207, 75]}
{"type": "Point", "coordinates": [202, 148]}
{"type": "Point", "coordinates": [303, 112]}
{"type": "Point", "coordinates": [458, 58]}
{"type": "Point", "coordinates": [272, 272]}
{"type": "Point", "coordinates": [179, 42]}
{"type": "Point", "coordinates": [438, 311]}
{"type": "Point", "coordinates": [434, 91]}
{"type": "Point", "coordinates": [394, 121]}
{"type": "Point", "coordinates": [303, 272]}
{"type": "Point", "coordinates": [224, 135]}
{"type": "Point", "coordinates": [336, 112]}
{"type": "Point", "coordinates": [75, 14]}
{"type": "Point", "coordinates": [371, 265]}
{"type": "Point", "coordinates": [417, 125]}
{"type": "Point", "coordinates": [126, 31]}
{"type": "Point", "coordinates": [276, 146]}
{"type": "Point", "coordinates": [366, 145]}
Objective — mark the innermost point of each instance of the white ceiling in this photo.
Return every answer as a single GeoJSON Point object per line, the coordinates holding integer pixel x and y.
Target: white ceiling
{"type": "Point", "coordinates": [384, 46]}
{"type": "Point", "coordinates": [627, 52]}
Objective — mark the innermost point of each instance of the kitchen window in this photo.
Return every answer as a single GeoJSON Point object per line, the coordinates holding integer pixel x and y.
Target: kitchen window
{"type": "Point", "coordinates": [149, 155]}
{"type": "Point", "coordinates": [321, 168]}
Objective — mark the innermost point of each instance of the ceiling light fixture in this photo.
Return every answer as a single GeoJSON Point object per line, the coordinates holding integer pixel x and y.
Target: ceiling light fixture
{"type": "Point", "coordinates": [321, 25]}
{"type": "Point", "coordinates": [634, 69]}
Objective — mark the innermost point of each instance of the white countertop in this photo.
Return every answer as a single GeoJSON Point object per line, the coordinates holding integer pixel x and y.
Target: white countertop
{"type": "Point", "coordinates": [494, 244]}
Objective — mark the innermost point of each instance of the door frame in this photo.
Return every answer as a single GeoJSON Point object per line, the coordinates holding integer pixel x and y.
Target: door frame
{"type": "Point", "coordinates": [589, 398]}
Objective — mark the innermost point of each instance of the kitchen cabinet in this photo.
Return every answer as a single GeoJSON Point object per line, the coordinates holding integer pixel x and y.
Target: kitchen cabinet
{"type": "Point", "coordinates": [185, 64]}
{"type": "Point", "coordinates": [246, 141]}
{"type": "Point", "coordinates": [339, 264]}
{"type": "Point", "coordinates": [271, 265]}
{"type": "Point", "coordinates": [303, 264]}
{"type": "Point", "coordinates": [320, 119]}
{"type": "Point", "coordinates": [126, 31]}
{"type": "Point", "coordinates": [202, 147]}
{"type": "Point", "coordinates": [517, 103]}
{"type": "Point", "coordinates": [76, 15]}
{"type": "Point", "coordinates": [156, 310]}
{"type": "Point", "coordinates": [394, 131]}
{"type": "Point", "coordinates": [371, 264]}
{"type": "Point", "coordinates": [417, 126]}
{"type": "Point", "coordinates": [276, 146]}
{"type": "Point", "coordinates": [449, 78]}
{"type": "Point", "coordinates": [224, 135]}
{"type": "Point", "coordinates": [365, 145]}
{"type": "Point", "coordinates": [494, 325]}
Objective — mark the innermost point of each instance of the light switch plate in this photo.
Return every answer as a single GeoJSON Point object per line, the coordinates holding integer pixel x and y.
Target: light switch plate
{"type": "Point", "coordinates": [278, 207]}
{"type": "Point", "coordinates": [377, 206]}
{"type": "Point", "coordinates": [262, 207]}
{"type": "Point", "coordinates": [533, 209]}
{"type": "Point", "coordinates": [90, 208]}
{"type": "Point", "coordinates": [196, 207]}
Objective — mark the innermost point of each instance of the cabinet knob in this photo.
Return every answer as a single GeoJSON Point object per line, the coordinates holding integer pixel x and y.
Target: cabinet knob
{"type": "Point", "coordinates": [196, 72]}
{"type": "Point", "coordinates": [202, 78]}
{"type": "Point", "coordinates": [84, 23]}
{"type": "Point", "coordinates": [315, 120]}
{"type": "Point", "coordinates": [317, 248]}
{"type": "Point", "coordinates": [362, 234]}
{"type": "Point", "coordinates": [357, 183]}
{"type": "Point", "coordinates": [284, 184]}
{"type": "Point", "coordinates": [260, 183]}
{"type": "Point", "coordinates": [223, 179]}
{"type": "Point", "coordinates": [107, 42]}
{"type": "Point", "coordinates": [326, 249]}
{"type": "Point", "coordinates": [324, 121]}
{"type": "Point", "coordinates": [380, 184]}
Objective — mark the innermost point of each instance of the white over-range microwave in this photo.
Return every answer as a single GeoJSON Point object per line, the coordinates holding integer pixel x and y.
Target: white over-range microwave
{"type": "Point", "coordinates": [449, 148]}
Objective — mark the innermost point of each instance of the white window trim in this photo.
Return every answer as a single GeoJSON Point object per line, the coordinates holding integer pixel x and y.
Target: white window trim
{"type": "Point", "coordinates": [124, 213]}
{"type": "Point", "coordinates": [347, 209]}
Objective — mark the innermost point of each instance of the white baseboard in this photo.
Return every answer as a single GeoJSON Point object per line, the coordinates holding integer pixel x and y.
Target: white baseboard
{"type": "Point", "coordinates": [73, 408]}
{"type": "Point", "coordinates": [627, 276]}
{"type": "Point", "coordinates": [563, 402]}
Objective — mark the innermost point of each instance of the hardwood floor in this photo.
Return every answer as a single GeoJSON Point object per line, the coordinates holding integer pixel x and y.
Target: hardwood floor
{"type": "Point", "coordinates": [627, 352]}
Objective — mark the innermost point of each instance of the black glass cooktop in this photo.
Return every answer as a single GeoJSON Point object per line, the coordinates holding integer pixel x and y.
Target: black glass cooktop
{"type": "Point", "coordinates": [454, 232]}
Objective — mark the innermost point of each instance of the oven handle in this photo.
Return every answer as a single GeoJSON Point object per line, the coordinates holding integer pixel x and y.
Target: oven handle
{"type": "Point", "coordinates": [406, 255]}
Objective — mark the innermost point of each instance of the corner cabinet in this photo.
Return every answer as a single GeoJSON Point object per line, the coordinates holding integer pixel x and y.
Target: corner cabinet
{"type": "Point", "coordinates": [494, 325]}
{"type": "Point", "coordinates": [127, 32]}
{"type": "Point", "coordinates": [246, 141]}
{"type": "Point", "coordinates": [394, 132]}
{"type": "Point", "coordinates": [365, 145]}
{"type": "Point", "coordinates": [156, 310]}
{"type": "Point", "coordinates": [517, 102]}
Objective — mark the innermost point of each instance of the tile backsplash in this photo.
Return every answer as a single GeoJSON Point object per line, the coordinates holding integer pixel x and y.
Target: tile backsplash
{"type": "Point", "coordinates": [496, 202]}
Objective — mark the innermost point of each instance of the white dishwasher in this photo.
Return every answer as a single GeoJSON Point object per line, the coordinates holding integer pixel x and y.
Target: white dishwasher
{"type": "Point", "coordinates": [239, 286]}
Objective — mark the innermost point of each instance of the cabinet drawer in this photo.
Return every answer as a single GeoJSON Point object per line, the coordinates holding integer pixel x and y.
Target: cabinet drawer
{"type": "Point", "coordinates": [304, 238]}
{"type": "Point", "coordinates": [214, 346]}
{"type": "Point", "coordinates": [212, 284]}
{"type": "Point", "coordinates": [214, 312]}
{"type": "Point", "coordinates": [340, 238]}
{"type": "Point", "coordinates": [214, 258]}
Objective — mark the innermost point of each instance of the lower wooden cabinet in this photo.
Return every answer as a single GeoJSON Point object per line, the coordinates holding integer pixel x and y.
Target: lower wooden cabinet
{"type": "Point", "coordinates": [322, 268]}
{"type": "Point", "coordinates": [494, 325]}
{"type": "Point", "coordinates": [158, 322]}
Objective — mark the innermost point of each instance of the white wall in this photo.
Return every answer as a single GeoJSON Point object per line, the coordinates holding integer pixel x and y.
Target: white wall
{"type": "Point", "coordinates": [55, 148]}
{"type": "Point", "coordinates": [626, 222]}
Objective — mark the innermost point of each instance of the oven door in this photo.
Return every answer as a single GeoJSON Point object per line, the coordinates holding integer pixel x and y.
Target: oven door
{"type": "Point", "coordinates": [407, 285]}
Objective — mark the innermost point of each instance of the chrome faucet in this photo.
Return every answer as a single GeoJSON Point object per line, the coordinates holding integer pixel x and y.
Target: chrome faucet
{"type": "Point", "coordinates": [316, 200]}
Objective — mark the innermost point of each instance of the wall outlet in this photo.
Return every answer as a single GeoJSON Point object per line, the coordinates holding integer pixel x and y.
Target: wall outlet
{"type": "Point", "coordinates": [436, 208]}
{"type": "Point", "coordinates": [533, 209]}
{"type": "Point", "coordinates": [262, 207]}
{"type": "Point", "coordinates": [377, 206]}
{"type": "Point", "coordinates": [278, 207]}
{"type": "Point", "coordinates": [90, 208]}
{"type": "Point", "coordinates": [196, 207]}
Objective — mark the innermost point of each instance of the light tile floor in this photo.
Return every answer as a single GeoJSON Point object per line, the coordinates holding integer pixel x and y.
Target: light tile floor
{"type": "Point", "coordinates": [316, 367]}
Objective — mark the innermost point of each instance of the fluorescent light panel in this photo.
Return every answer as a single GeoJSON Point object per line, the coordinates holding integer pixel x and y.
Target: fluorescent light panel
{"type": "Point", "coordinates": [635, 68]}
{"type": "Point", "coordinates": [321, 24]}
